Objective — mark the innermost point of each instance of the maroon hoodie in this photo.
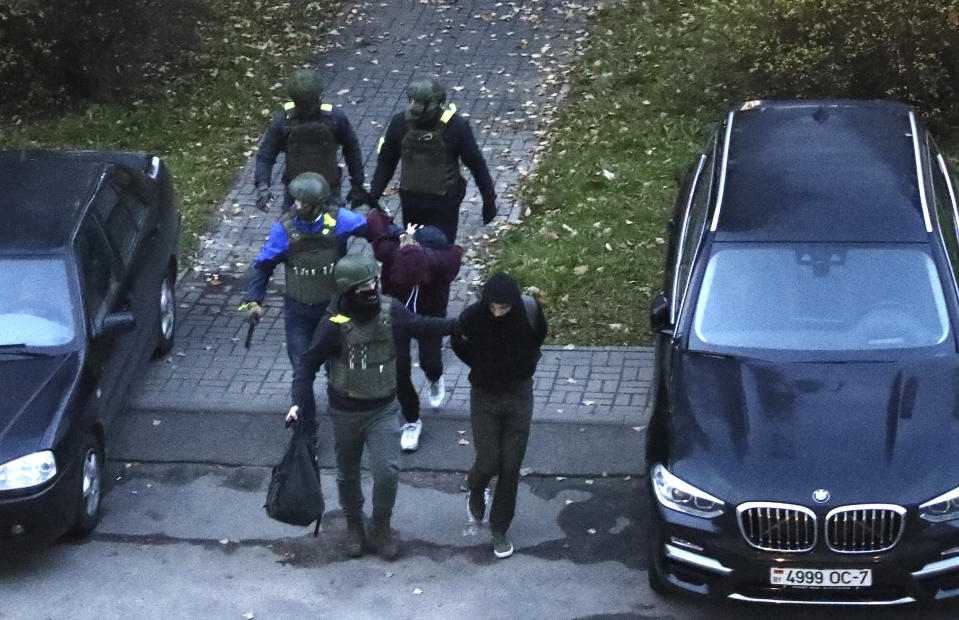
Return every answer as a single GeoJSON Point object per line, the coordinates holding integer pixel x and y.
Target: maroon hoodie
{"type": "Point", "coordinates": [418, 275]}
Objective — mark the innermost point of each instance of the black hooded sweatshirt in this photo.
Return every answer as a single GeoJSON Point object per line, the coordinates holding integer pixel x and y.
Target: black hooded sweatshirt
{"type": "Point", "coordinates": [503, 351]}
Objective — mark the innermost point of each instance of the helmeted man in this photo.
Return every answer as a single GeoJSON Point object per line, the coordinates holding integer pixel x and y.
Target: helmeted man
{"type": "Point", "coordinates": [429, 140]}
{"type": "Point", "coordinates": [311, 133]}
{"type": "Point", "coordinates": [309, 239]}
{"type": "Point", "coordinates": [358, 342]}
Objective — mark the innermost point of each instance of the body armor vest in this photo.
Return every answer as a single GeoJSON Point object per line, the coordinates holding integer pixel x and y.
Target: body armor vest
{"type": "Point", "coordinates": [425, 167]}
{"type": "Point", "coordinates": [366, 368]}
{"type": "Point", "coordinates": [311, 146]}
{"type": "Point", "coordinates": [309, 263]}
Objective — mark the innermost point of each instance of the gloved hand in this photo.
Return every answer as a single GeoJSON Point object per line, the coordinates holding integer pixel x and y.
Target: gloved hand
{"type": "Point", "coordinates": [264, 198]}
{"type": "Point", "coordinates": [254, 312]}
{"type": "Point", "coordinates": [358, 197]}
{"type": "Point", "coordinates": [489, 211]}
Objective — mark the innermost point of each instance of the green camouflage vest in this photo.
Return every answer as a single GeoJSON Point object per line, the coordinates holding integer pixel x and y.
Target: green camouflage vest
{"type": "Point", "coordinates": [425, 168]}
{"type": "Point", "coordinates": [310, 260]}
{"type": "Point", "coordinates": [366, 369]}
{"type": "Point", "coordinates": [310, 146]}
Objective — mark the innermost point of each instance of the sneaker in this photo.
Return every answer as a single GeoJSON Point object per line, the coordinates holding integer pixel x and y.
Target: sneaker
{"type": "Point", "coordinates": [410, 437]}
{"type": "Point", "coordinates": [502, 547]}
{"type": "Point", "coordinates": [478, 506]}
{"type": "Point", "coordinates": [437, 392]}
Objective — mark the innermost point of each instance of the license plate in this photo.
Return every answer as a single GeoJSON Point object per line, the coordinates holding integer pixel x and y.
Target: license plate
{"type": "Point", "coordinates": [821, 578]}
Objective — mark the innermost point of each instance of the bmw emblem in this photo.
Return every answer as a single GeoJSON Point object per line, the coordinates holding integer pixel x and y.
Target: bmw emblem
{"type": "Point", "coordinates": [821, 496]}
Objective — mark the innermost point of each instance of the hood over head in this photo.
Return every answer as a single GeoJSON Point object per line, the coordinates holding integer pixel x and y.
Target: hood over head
{"type": "Point", "coordinates": [502, 289]}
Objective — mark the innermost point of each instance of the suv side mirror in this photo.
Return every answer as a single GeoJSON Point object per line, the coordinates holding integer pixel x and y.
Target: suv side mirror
{"type": "Point", "coordinates": [659, 312]}
{"type": "Point", "coordinates": [117, 322]}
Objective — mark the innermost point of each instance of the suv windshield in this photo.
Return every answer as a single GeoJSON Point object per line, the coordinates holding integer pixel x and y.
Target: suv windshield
{"type": "Point", "coordinates": [35, 307]}
{"type": "Point", "coordinates": [809, 297]}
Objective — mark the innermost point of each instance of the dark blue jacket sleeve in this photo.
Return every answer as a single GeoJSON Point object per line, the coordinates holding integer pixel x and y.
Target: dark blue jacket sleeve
{"type": "Point", "coordinates": [274, 141]}
{"type": "Point", "coordinates": [469, 152]}
{"type": "Point", "coordinates": [388, 156]}
{"type": "Point", "coordinates": [344, 134]}
{"type": "Point", "coordinates": [272, 254]}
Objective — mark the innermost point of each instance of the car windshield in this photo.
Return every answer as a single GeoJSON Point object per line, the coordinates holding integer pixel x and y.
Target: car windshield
{"type": "Point", "coordinates": [35, 305]}
{"type": "Point", "coordinates": [815, 297]}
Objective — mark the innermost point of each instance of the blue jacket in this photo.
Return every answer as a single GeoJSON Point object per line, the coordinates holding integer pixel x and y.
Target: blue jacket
{"type": "Point", "coordinates": [277, 247]}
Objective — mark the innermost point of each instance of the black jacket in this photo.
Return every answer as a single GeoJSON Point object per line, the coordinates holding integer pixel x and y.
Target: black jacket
{"type": "Point", "coordinates": [274, 141]}
{"type": "Point", "coordinates": [328, 341]}
{"type": "Point", "coordinates": [460, 146]}
{"type": "Point", "coordinates": [499, 351]}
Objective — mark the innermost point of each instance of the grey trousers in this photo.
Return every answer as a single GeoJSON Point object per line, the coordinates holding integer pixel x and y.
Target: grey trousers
{"type": "Point", "coordinates": [375, 429]}
{"type": "Point", "coordinates": [501, 423]}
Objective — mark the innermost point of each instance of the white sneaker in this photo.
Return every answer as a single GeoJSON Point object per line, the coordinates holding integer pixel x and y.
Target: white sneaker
{"type": "Point", "coordinates": [410, 437]}
{"type": "Point", "coordinates": [437, 392]}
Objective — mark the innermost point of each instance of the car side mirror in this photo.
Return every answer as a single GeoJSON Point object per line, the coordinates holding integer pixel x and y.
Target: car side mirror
{"type": "Point", "coordinates": [117, 322]}
{"type": "Point", "coordinates": [659, 312]}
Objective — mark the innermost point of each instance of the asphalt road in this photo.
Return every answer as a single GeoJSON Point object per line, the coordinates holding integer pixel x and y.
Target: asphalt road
{"type": "Point", "coordinates": [191, 540]}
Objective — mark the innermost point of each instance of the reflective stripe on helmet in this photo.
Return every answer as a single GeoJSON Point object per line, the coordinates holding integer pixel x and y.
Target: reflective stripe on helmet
{"type": "Point", "coordinates": [379, 144]}
{"type": "Point", "coordinates": [326, 107]}
{"type": "Point", "coordinates": [339, 318]}
{"type": "Point", "coordinates": [289, 105]}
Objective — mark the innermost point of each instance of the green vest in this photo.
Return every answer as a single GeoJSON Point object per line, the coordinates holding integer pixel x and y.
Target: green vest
{"type": "Point", "coordinates": [425, 168]}
{"type": "Point", "coordinates": [310, 146]}
{"type": "Point", "coordinates": [366, 368]}
{"type": "Point", "coordinates": [310, 260]}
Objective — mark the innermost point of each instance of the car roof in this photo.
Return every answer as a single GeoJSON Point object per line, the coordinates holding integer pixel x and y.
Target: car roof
{"type": "Point", "coordinates": [42, 195]}
{"type": "Point", "coordinates": [834, 170]}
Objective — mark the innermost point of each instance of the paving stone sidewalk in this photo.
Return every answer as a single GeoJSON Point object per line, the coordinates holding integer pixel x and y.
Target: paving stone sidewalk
{"type": "Point", "coordinates": [493, 57]}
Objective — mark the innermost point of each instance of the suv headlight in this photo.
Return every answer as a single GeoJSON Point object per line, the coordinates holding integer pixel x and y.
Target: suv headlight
{"type": "Point", "coordinates": [684, 497]}
{"type": "Point", "coordinates": [27, 471]}
{"type": "Point", "coordinates": [942, 508]}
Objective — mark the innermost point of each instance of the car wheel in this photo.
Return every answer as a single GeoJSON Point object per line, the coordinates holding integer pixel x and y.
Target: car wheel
{"type": "Point", "coordinates": [166, 316]}
{"type": "Point", "coordinates": [90, 490]}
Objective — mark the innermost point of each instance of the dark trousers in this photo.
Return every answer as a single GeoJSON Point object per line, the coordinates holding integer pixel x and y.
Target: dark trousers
{"type": "Point", "coordinates": [300, 321]}
{"type": "Point", "coordinates": [442, 211]}
{"type": "Point", "coordinates": [376, 430]}
{"type": "Point", "coordinates": [501, 423]}
{"type": "Point", "coordinates": [431, 362]}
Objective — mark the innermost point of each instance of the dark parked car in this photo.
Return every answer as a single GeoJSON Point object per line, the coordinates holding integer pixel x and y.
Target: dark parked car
{"type": "Point", "coordinates": [88, 260]}
{"type": "Point", "coordinates": [803, 444]}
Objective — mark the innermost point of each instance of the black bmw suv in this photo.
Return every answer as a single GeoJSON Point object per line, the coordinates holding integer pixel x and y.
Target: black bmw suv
{"type": "Point", "coordinates": [804, 444]}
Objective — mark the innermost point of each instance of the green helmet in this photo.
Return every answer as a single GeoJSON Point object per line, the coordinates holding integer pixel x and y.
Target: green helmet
{"type": "Point", "coordinates": [427, 96]}
{"type": "Point", "coordinates": [305, 88]}
{"type": "Point", "coordinates": [353, 270]}
{"type": "Point", "coordinates": [313, 192]}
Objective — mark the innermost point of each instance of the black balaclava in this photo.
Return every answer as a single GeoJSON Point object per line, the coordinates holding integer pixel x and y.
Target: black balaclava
{"type": "Point", "coordinates": [502, 289]}
{"type": "Point", "coordinates": [363, 305]}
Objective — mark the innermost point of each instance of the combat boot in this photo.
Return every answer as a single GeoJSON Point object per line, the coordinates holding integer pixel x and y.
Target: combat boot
{"type": "Point", "coordinates": [355, 536]}
{"type": "Point", "coordinates": [385, 540]}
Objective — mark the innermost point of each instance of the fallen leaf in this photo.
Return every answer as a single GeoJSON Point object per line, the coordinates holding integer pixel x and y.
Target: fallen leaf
{"type": "Point", "coordinates": [461, 432]}
{"type": "Point", "coordinates": [588, 481]}
{"type": "Point", "coordinates": [224, 541]}
{"type": "Point", "coordinates": [568, 502]}
{"type": "Point", "coordinates": [417, 591]}
{"type": "Point", "coordinates": [589, 402]}
{"type": "Point", "coordinates": [609, 175]}
{"type": "Point", "coordinates": [463, 442]}
{"type": "Point", "coordinates": [157, 422]}
{"type": "Point", "coordinates": [580, 269]}
{"type": "Point", "coordinates": [638, 428]}
{"type": "Point", "coordinates": [249, 615]}
{"type": "Point", "coordinates": [591, 531]}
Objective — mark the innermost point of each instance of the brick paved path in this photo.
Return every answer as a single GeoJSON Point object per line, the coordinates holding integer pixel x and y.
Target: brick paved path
{"type": "Point", "coordinates": [493, 56]}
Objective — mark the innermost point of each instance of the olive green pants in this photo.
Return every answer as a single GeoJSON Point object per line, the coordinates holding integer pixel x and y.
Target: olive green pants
{"type": "Point", "coordinates": [376, 430]}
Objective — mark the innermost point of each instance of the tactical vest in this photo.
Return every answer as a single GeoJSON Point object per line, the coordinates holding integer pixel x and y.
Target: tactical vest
{"type": "Point", "coordinates": [310, 260]}
{"type": "Point", "coordinates": [366, 368]}
{"type": "Point", "coordinates": [425, 168]}
{"type": "Point", "coordinates": [311, 146]}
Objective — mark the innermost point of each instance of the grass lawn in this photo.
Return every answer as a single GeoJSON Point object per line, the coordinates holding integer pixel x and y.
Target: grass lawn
{"type": "Point", "coordinates": [204, 124]}
{"type": "Point", "coordinates": [642, 103]}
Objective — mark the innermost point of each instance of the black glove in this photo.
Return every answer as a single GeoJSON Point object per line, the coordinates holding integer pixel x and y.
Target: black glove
{"type": "Point", "coordinates": [264, 198]}
{"type": "Point", "coordinates": [358, 197]}
{"type": "Point", "coordinates": [489, 211]}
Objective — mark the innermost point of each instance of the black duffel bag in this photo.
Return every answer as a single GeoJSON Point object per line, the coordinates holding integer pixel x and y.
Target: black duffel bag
{"type": "Point", "coordinates": [295, 495]}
